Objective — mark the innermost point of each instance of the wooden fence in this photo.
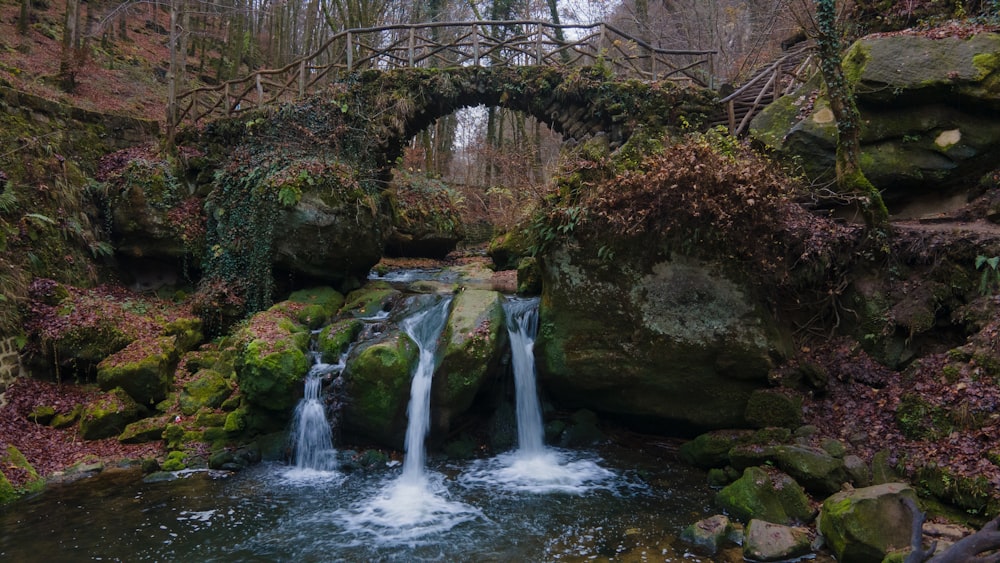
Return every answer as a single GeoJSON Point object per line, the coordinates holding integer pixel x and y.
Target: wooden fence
{"type": "Point", "coordinates": [442, 45]}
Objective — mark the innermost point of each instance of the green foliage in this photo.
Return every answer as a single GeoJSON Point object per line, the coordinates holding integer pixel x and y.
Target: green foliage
{"type": "Point", "coordinates": [989, 281]}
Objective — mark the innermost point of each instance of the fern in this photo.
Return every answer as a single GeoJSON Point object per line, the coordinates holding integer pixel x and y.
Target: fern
{"type": "Point", "coordinates": [8, 201]}
{"type": "Point", "coordinates": [989, 281]}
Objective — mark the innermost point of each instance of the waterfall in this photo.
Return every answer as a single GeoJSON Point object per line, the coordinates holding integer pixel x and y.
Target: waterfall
{"type": "Point", "coordinates": [312, 437]}
{"type": "Point", "coordinates": [424, 328]}
{"type": "Point", "coordinates": [522, 326]}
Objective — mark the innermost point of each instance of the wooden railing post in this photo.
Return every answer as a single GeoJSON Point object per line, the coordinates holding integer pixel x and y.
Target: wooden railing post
{"type": "Point", "coordinates": [538, 44]}
{"type": "Point", "coordinates": [413, 43]}
{"type": "Point", "coordinates": [260, 91]}
{"type": "Point", "coordinates": [350, 54]}
{"type": "Point", "coordinates": [475, 45]}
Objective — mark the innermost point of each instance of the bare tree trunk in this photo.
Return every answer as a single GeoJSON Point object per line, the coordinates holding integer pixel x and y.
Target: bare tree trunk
{"type": "Point", "coordinates": [67, 61]}
{"type": "Point", "coordinates": [24, 18]}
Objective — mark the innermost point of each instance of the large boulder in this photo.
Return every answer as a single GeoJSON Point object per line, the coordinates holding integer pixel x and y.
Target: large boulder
{"type": "Point", "coordinates": [144, 369]}
{"type": "Point", "coordinates": [377, 385]}
{"type": "Point", "coordinates": [272, 360]}
{"type": "Point", "coordinates": [863, 525]}
{"type": "Point", "coordinates": [425, 219]}
{"type": "Point", "coordinates": [334, 236]}
{"type": "Point", "coordinates": [767, 494]}
{"type": "Point", "coordinates": [655, 337]}
{"type": "Point", "coordinates": [930, 124]}
{"type": "Point", "coordinates": [472, 343]}
{"type": "Point", "coordinates": [765, 541]}
{"type": "Point", "coordinates": [107, 415]}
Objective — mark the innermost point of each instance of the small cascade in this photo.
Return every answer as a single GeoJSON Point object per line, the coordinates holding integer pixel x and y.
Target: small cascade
{"type": "Point", "coordinates": [522, 326]}
{"type": "Point", "coordinates": [533, 467]}
{"type": "Point", "coordinates": [312, 436]}
{"type": "Point", "coordinates": [425, 329]}
{"type": "Point", "coordinates": [415, 505]}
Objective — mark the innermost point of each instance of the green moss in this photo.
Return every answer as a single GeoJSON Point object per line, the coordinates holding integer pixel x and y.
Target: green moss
{"type": "Point", "coordinates": [175, 461]}
{"type": "Point", "coordinates": [471, 338]}
{"type": "Point", "coordinates": [370, 299]}
{"type": "Point", "coordinates": [334, 339]}
{"type": "Point", "coordinates": [108, 415]}
{"type": "Point", "coordinates": [711, 450]}
{"type": "Point", "coordinates": [766, 494]}
{"type": "Point", "coordinates": [770, 408]}
{"type": "Point", "coordinates": [377, 382]}
{"type": "Point", "coordinates": [144, 369]}
{"type": "Point", "coordinates": [145, 430]}
{"type": "Point", "coordinates": [12, 458]}
{"type": "Point", "coordinates": [207, 389]}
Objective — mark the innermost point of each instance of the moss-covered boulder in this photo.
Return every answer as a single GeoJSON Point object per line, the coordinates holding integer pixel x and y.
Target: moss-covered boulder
{"type": "Point", "coordinates": [687, 343]}
{"type": "Point", "coordinates": [208, 389]}
{"type": "Point", "coordinates": [929, 127]}
{"type": "Point", "coordinates": [863, 525]}
{"type": "Point", "coordinates": [529, 276]}
{"type": "Point", "coordinates": [711, 449]}
{"type": "Point", "coordinates": [377, 384]}
{"type": "Point", "coordinates": [767, 494]}
{"type": "Point", "coordinates": [507, 250]}
{"type": "Point", "coordinates": [771, 407]}
{"type": "Point", "coordinates": [371, 299]}
{"type": "Point", "coordinates": [766, 541]}
{"type": "Point", "coordinates": [425, 218]}
{"type": "Point", "coordinates": [815, 469]}
{"type": "Point", "coordinates": [108, 415]}
{"type": "Point", "coordinates": [334, 339]}
{"type": "Point", "coordinates": [315, 306]}
{"type": "Point", "coordinates": [21, 472]}
{"type": "Point", "coordinates": [145, 430]}
{"type": "Point", "coordinates": [272, 361]}
{"type": "Point", "coordinates": [472, 343]}
{"type": "Point", "coordinates": [186, 331]}
{"type": "Point", "coordinates": [144, 369]}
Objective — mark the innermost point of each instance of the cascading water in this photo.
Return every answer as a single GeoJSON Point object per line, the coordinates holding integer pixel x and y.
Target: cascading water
{"type": "Point", "coordinates": [425, 329]}
{"type": "Point", "coordinates": [532, 467]}
{"type": "Point", "coordinates": [413, 506]}
{"type": "Point", "coordinates": [311, 436]}
{"type": "Point", "coordinates": [522, 326]}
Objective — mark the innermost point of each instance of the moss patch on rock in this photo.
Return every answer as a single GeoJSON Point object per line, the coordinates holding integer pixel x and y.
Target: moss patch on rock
{"type": "Point", "coordinates": [144, 369]}
{"type": "Point", "coordinates": [108, 415]}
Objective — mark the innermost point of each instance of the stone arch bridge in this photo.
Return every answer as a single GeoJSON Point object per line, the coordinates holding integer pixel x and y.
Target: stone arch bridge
{"type": "Point", "coordinates": [406, 76]}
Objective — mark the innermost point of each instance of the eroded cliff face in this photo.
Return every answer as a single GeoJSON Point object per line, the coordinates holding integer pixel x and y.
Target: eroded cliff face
{"type": "Point", "coordinates": [931, 118]}
{"type": "Point", "coordinates": [653, 336]}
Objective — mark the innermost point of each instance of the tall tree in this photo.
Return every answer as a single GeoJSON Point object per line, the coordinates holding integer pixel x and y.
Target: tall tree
{"type": "Point", "coordinates": [840, 93]}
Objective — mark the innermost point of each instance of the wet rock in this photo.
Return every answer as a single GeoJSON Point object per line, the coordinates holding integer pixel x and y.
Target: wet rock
{"type": "Point", "coordinates": [377, 382]}
{"type": "Point", "coordinates": [709, 533]}
{"type": "Point", "coordinates": [272, 361]}
{"type": "Point", "coordinates": [711, 449]}
{"type": "Point", "coordinates": [764, 541]}
{"type": "Point", "coordinates": [472, 343]}
{"type": "Point", "coordinates": [334, 339]}
{"type": "Point", "coordinates": [766, 494]}
{"type": "Point", "coordinates": [371, 299]}
{"type": "Point", "coordinates": [863, 525]}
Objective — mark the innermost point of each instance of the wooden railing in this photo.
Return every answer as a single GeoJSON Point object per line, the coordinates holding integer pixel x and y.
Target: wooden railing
{"type": "Point", "coordinates": [477, 43]}
{"type": "Point", "coordinates": [777, 79]}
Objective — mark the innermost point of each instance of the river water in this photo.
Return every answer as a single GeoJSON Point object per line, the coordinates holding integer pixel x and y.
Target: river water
{"type": "Point", "coordinates": [626, 500]}
{"type": "Point", "coordinates": [266, 514]}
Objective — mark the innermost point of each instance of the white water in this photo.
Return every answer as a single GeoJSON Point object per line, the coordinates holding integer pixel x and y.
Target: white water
{"type": "Point", "coordinates": [312, 437]}
{"type": "Point", "coordinates": [522, 326]}
{"type": "Point", "coordinates": [424, 328]}
{"type": "Point", "coordinates": [533, 467]}
{"type": "Point", "coordinates": [415, 504]}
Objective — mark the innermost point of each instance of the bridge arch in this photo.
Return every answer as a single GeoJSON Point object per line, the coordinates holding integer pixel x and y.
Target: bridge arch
{"type": "Point", "coordinates": [576, 103]}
